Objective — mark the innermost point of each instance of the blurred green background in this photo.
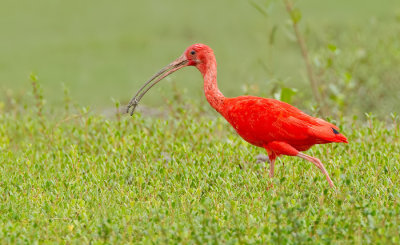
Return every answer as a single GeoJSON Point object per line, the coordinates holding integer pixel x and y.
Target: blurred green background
{"type": "Point", "coordinates": [107, 49]}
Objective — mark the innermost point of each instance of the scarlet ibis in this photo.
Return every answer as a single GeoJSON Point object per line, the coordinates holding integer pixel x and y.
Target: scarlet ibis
{"type": "Point", "coordinates": [278, 127]}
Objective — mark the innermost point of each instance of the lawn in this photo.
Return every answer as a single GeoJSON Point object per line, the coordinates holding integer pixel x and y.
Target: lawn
{"type": "Point", "coordinates": [186, 177]}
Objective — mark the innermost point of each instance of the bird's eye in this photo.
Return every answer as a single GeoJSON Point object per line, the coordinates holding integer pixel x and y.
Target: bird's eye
{"type": "Point", "coordinates": [192, 52]}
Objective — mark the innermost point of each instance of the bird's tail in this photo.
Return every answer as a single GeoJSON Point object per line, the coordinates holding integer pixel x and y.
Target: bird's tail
{"type": "Point", "coordinates": [328, 133]}
{"type": "Point", "coordinates": [340, 138]}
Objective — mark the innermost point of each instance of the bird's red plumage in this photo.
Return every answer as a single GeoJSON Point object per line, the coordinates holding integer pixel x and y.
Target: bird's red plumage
{"type": "Point", "coordinates": [261, 121]}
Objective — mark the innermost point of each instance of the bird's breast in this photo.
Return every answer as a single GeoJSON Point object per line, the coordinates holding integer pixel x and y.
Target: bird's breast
{"type": "Point", "coordinates": [250, 122]}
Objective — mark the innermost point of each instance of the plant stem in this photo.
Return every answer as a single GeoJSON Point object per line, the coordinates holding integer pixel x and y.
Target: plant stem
{"type": "Point", "coordinates": [313, 81]}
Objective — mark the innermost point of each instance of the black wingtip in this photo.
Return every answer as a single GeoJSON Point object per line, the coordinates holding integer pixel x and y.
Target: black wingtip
{"type": "Point", "coordinates": [335, 131]}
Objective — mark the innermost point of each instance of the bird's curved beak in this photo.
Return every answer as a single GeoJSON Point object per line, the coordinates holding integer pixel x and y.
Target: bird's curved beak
{"type": "Point", "coordinates": [169, 69]}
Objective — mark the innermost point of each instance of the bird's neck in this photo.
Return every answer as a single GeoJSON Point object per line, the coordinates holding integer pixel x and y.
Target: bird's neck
{"type": "Point", "coordinates": [209, 72]}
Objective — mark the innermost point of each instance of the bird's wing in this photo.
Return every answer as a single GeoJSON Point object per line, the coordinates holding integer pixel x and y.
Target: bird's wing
{"type": "Point", "coordinates": [265, 120]}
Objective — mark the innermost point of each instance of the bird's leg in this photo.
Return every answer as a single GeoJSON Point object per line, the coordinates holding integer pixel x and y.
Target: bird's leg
{"type": "Point", "coordinates": [271, 168]}
{"type": "Point", "coordinates": [271, 159]}
{"type": "Point", "coordinates": [319, 164]}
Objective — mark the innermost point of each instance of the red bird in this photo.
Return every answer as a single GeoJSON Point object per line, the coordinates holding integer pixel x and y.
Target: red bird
{"type": "Point", "coordinates": [278, 127]}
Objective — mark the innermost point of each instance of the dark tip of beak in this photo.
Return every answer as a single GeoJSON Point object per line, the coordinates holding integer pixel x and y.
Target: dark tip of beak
{"type": "Point", "coordinates": [169, 69]}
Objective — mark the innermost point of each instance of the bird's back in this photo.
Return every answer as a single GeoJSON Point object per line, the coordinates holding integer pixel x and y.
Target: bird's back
{"type": "Point", "coordinates": [262, 120]}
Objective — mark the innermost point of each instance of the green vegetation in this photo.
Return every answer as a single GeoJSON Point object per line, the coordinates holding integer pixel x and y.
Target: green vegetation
{"type": "Point", "coordinates": [185, 178]}
{"type": "Point", "coordinates": [179, 173]}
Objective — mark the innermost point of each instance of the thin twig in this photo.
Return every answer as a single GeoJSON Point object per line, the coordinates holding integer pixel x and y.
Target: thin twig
{"type": "Point", "coordinates": [313, 81]}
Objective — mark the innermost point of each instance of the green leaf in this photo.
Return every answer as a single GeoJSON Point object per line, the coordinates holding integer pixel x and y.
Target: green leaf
{"type": "Point", "coordinates": [295, 14]}
{"type": "Point", "coordinates": [272, 35]}
{"type": "Point", "coordinates": [332, 47]}
{"type": "Point", "coordinates": [287, 94]}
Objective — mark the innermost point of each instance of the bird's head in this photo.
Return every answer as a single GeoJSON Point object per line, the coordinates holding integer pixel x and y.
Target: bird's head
{"type": "Point", "coordinates": [195, 55]}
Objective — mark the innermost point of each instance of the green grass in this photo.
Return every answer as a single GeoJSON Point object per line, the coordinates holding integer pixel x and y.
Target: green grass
{"type": "Point", "coordinates": [187, 178]}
